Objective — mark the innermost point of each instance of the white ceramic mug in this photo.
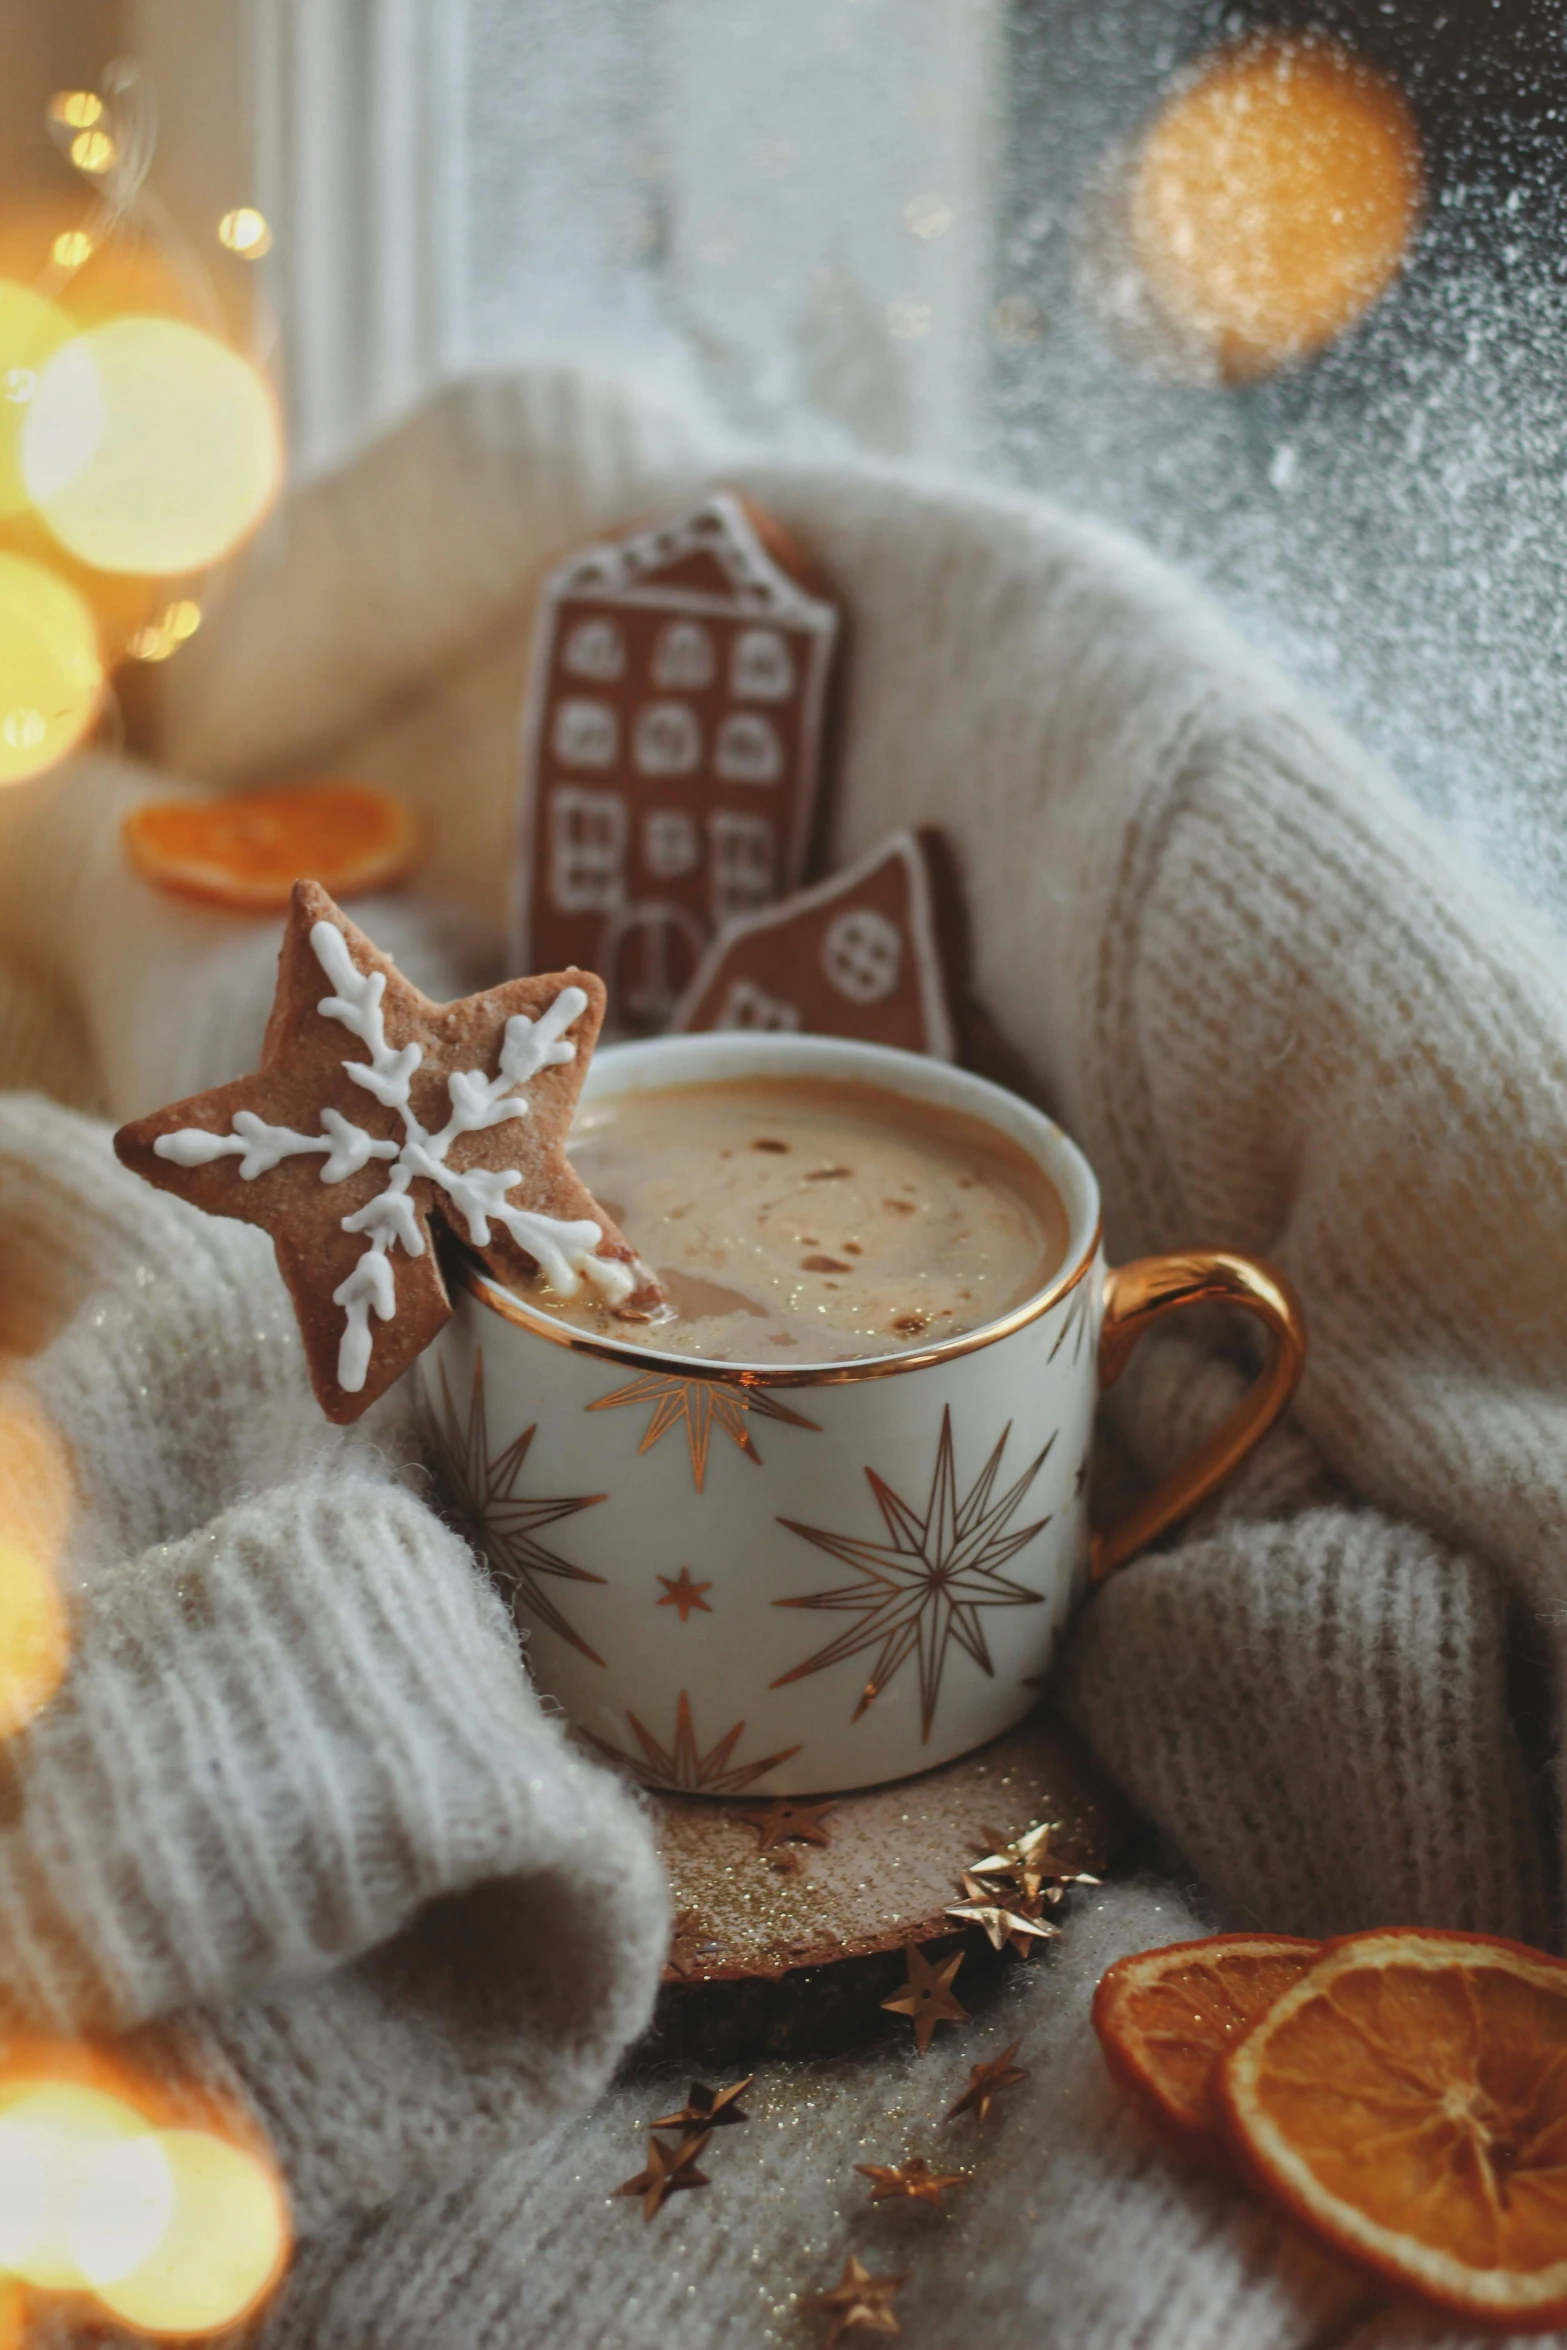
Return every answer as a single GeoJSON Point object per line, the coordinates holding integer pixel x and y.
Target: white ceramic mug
{"type": "Point", "coordinates": [742, 1580]}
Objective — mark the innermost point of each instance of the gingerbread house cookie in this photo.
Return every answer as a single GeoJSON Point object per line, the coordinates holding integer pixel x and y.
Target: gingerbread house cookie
{"type": "Point", "coordinates": [865, 953]}
{"type": "Point", "coordinates": [673, 748]}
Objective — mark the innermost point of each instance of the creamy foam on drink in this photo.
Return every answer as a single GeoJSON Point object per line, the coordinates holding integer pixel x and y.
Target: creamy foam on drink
{"type": "Point", "coordinates": [813, 1220]}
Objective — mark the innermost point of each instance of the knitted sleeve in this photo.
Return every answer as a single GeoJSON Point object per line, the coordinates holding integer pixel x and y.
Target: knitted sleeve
{"type": "Point", "coordinates": [294, 1729]}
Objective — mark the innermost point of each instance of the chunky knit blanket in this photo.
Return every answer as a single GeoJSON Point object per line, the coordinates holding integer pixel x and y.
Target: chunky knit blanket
{"type": "Point", "coordinates": [295, 1817]}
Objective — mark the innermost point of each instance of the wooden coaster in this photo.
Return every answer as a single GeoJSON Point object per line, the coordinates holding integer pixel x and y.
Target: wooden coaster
{"type": "Point", "coordinates": [790, 1949]}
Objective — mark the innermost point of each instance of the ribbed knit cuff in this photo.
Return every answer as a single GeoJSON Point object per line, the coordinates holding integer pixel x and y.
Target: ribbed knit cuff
{"type": "Point", "coordinates": [1317, 1714]}
{"type": "Point", "coordinates": [278, 1738]}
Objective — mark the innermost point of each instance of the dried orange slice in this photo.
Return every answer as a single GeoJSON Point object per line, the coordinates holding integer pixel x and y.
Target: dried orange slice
{"type": "Point", "coordinates": [1166, 2017]}
{"type": "Point", "coordinates": [1406, 2101]}
{"type": "Point", "coordinates": [248, 850]}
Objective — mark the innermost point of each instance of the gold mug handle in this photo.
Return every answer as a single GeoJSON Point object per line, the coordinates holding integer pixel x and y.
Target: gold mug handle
{"type": "Point", "coordinates": [1142, 1293]}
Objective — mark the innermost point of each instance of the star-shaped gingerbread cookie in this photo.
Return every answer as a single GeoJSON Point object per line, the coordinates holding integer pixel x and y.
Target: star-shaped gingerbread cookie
{"type": "Point", "coordinates": [375, 1112]}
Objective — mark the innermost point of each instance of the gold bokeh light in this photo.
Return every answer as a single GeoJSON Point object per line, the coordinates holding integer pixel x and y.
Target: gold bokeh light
{"type": "Point", "coordinates": [246, 232]}
{"type": "Point", "coordinates": [150, 447]}
{"type": "Point", "coordinates": [35, 1519]}
{"type": "Point", "coordinates": [31, 331]}
{"type": "Point", "coordinates": [93, 151]}
{"type": "Point", "coordinates": [165, 635]}
{"type": "Point", "coordinates": [51, 676]}
{"type": "Point", "coordinates": [224, 2247]}
{"type": "Point", "coordinates": [52, 2136]}
{"type": "Point", "coordinates": [78, 110]}
{"type": "Point", "coordinates": [1273, 199]}
{"type": "Point", "coordinates": [176, 2226]}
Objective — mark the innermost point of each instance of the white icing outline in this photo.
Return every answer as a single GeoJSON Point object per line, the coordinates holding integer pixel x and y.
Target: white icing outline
{"type": "Point", "coordinates": [564, 1249]}
{"type": "Point", "coordinates": [900, 847]}
{"type": "Point", "coordinates": [625, 575]}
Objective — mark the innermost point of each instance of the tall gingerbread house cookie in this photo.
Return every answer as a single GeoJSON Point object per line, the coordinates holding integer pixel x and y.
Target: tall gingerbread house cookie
{"type": "Point", "coordinates": [673, 748]}
{"type": "Point", "coordinates": [870, 952]}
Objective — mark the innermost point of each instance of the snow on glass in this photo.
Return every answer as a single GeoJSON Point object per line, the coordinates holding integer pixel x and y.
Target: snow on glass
{"type": "Point", "coordinates": [563, 1248]}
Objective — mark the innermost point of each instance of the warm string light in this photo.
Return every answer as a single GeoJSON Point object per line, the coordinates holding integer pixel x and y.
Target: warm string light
{"type": "Point", "coordinates": [31, 331]}
{"type": "Point", "coordinates": [35, 1519]}
{"type": "Point", "coordinates": [51, 676]}
{"type": "Point", "coordinates": [149, 446]}
{"type": "Point", "coordinates": [136, 447]}
{"type": "Point", "coordinates": [245, 232]}
{"type": "Point", "coordinates": [165, 635]}
{"type": "Point", "coordinates": [77, 110]}
{"type": "Point", "coordinates": [174, 2229]}
{"type": "Point", "coordinates": [93, 151]}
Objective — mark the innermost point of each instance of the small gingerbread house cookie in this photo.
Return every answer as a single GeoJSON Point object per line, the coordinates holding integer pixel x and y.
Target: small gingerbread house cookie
{"type": "Point", "coordinates": [860, 954]}
{"type": "Point", "coordinates": [673, 748]}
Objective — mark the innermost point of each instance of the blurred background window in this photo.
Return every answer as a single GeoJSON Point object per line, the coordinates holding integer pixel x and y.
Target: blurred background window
{"type": "Point", "coordinates": [1279, 289]}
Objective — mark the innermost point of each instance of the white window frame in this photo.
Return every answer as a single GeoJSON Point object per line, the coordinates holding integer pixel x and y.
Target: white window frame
{"type": "Point", "coordinates": [345, 121]}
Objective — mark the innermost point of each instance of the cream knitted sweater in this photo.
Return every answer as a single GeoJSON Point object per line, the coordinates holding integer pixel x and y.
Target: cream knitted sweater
{"type": "Point", "coordinates": [295, 1808]}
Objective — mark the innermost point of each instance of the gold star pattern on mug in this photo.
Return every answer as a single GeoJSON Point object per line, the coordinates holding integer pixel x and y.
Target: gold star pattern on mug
{"type": "Point", "coordinates": [681, 1592]}
{"type": "Point", "coordinates": [708, 2109]}
{"type": "Point", "coordinates": [986, 2082]}
{"type": "Point", "coordinates": [788, 1821]}
{"type": "Point", "coordinates": [377, 1113]}
{"type": "Point", "coordinates": [682, 1766]}
{"type": "Point", "coordinates": [927, 1998]}
{"type": "Point", "coordinates": [927, 1585]}
{"type": "Point", "coordinates": [1075, 1323]}
{"type": "Point", "coordinates": [857, 2303]}
{"type": "Point", "coordinates": [668, 2169]}
{"type": "Point", "coordinates": [700, 1405]}
{"type": "Point", "coordinates": [502, 1523]}
{"type": "Point", "coordinates": [913, 2181]}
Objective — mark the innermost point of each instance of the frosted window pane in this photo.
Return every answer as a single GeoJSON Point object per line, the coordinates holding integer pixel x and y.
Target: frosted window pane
{"type": "Point", "coordinates": [875, 224]}
{"type": "Point", "coordinates": [1390, 519]}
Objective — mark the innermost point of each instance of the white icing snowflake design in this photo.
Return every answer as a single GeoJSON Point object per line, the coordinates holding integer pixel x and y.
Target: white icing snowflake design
{"type": "Point", "coordinates": [563, 1249]}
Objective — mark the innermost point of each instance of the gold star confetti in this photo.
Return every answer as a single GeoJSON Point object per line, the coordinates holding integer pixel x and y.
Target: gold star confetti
{"type": "Point", "coordinates": [986, 2082]}
{"type": "Point", "coordinates": [913, 2179]}
{"type": "Point", "coordinates": [669, 2168]}
{"type": "Point", "coordinates": [927, 1999]}
{"type": "Point", "coordinates": [1029, 1865]}
{"type": "Point", "coordinates": [787, 1821]}
{"type": "Point", "coordinates": [681, 1592]}
{"type": "Point", "coordinates": [708, 2109]}
{"type": "Point", "coordinates": [1002, 1925]}
{"type": "Point", "coordinates": [857, 2302]}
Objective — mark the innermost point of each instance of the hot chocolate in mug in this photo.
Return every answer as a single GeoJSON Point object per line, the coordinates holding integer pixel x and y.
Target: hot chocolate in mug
{"type": "Point", "coordinates": [758, 1579]}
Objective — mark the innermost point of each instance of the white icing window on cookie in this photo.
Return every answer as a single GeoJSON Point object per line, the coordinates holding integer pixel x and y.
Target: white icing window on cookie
{"type": "Point", "coordinates": [585, 734]}
{"type": "Point", "coordinates": [862, 955]}
{"type": "Point", "coordinates": [669, 843]}
{"type": "Point", "coordinates": [668, 740]}
{"type": "Point", "coordinates": [761, 666]}
{"type": "Point", "coordinates": [743, 864]}
{"type": "Point", "coordinates": [587, 850]}
{"type": "Point", "coordinates": [684, 659]}
{"type": "Point", "coordinates": [596, 649]}
{"type": "Point", "coordinates": [748, 750]}
{"type": "Point", "coordinates": [748, 1006]}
